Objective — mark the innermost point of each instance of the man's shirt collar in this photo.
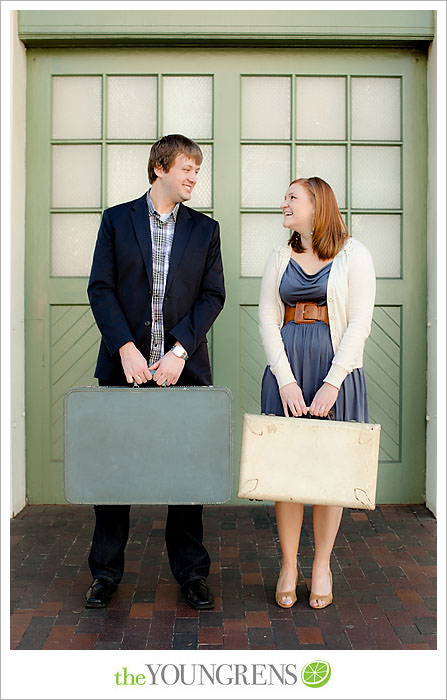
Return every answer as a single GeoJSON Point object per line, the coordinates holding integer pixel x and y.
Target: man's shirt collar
{"type": "Point", "coordinates": [153, 211]}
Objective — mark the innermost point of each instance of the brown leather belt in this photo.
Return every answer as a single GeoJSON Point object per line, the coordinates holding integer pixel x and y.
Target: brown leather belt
{"type": "Point", "coordinates": [306, 312]}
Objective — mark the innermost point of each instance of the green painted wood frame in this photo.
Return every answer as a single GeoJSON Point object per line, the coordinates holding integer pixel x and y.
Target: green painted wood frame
{"type": "Point", "coordinates": [226, 27]}
{"type": "Point", "coordinates": [400, 480]}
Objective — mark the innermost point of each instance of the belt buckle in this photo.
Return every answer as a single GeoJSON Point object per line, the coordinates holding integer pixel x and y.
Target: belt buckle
{"type": "Point", "coordinates": [299, 313]}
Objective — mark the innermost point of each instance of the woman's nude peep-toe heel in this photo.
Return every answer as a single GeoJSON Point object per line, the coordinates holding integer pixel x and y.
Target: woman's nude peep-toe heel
{"type": "Point", "coordinates": [327, 599]}
{"type": "Point", "coordinates": [286, 594]}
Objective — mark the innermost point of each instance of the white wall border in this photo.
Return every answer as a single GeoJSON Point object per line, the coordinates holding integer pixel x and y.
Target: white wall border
{"type": "Point", "coordinates": [17, 232]}
{"type": "Point", "coordinates": [432, 301]}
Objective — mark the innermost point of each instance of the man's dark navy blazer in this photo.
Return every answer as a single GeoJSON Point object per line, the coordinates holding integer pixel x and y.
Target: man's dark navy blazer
{"type": "Point", "coordinates": [120, 288]}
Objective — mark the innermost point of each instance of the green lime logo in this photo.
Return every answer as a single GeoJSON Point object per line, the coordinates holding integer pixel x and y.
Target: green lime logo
{"type": "Point", "coordinates": [316, 674]}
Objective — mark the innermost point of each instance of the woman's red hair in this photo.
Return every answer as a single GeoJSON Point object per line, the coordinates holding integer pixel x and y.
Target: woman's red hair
{"type": "Point", "coordinates": [329, 229]}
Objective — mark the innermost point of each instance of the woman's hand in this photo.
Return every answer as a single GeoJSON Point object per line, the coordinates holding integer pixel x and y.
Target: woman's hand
{"type": "Point", "coordinates": [292, 398]}
{"type": "Point", "coordinates": [323, 400]}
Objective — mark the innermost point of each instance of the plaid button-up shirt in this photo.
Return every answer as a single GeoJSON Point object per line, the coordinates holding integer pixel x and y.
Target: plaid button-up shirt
{"type": "Point", "coordinates": [162, 234]}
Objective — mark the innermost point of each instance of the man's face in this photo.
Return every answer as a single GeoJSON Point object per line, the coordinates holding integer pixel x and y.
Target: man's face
{"type": "Point", "coordinates": [179, 182]}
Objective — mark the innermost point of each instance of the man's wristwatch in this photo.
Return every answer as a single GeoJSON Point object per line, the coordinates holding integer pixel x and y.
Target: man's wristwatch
{"type": "Point", "coordinates": [179, 351]}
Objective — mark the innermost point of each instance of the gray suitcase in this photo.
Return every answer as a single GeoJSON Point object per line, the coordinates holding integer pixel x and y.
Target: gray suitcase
{"type": "Point", "coordinates": [148, 445]}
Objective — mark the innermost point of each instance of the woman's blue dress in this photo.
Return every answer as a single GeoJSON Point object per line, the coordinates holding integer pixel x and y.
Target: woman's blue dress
{"type": "Point", "coordinates": [309, 350]}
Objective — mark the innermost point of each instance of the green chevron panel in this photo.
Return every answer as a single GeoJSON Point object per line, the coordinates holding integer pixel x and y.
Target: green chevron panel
{"type": "Point", "coordinates": [382, 363]}
{"type": "Point", "coordinates": [253, 361]}
{"type": "Point", "coordinates": [74, 347]}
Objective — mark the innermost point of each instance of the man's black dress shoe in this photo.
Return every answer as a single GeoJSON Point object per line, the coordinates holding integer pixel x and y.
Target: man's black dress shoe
{"type": "Point", "coordinates": [99, 593]}
{"type": "Point", "coordinates": [198, 595]}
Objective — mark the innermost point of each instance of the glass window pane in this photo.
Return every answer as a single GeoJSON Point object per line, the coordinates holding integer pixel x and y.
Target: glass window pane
{"type": "Point", "coordinates": [188, 106]}
{"type": "Point", "coordinates": [77, 176]}
{"type": "Point", "coordinates": [127, 176]}
{"type": "Point", "coordinates": [202, 192]}
{"type": "Point", "coordinates": [132, 107]}
{"type": "Point", "coordinates": [265, 175]}
{"type": "Point", "coordinates": [72, 243]}
{"type": "Point", "coordinates": [320, 108]}
{"type": "Point", "coordinates": [76, 107]}
{"type": "Point", "coordinates": [376, 177]}
{"type": "Point", "coordinates": [265, 108]}
{"type": "Point", "coordinates": [327, 162]}
{"type": "Point", "coordinates": [260, 233]}
{"type": "Point", "coordinates": [376, 108]}
{"type": "Point", "coordinates": [381, 235]}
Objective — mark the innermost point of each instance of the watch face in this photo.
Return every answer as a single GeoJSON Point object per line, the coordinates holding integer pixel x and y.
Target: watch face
{"type": "Point", "coordinates": [178, 351]}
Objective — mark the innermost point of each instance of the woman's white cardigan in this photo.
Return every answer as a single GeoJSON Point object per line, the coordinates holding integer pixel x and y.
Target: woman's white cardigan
{"type": "Point", "coordinates": [351, 292]}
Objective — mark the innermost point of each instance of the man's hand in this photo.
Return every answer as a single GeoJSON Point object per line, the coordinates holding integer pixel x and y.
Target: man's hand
{"type": "Point", "coordinates": [323, 400]}
{"type": "Point", "coordinates": [292, 398]}
{"type": "Point", "coordinates": [168, 369]}
{"type": "Point", "coordinates": [134, 364]}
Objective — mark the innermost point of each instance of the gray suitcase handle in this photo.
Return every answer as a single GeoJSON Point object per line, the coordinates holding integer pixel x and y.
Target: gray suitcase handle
{"type": "Point", "coordinates": [137, 386]}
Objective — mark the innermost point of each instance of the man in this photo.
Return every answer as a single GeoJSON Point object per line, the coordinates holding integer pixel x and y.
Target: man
{"type": "Point", "coordinates": [156, 287]}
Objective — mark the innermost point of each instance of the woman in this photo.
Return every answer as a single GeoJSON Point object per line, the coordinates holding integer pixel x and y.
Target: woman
{"type": "Point", "coordinates": [314, 354]}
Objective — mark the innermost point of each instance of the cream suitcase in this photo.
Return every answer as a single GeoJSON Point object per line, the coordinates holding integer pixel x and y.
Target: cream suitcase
{"type": "Point", "coordinates": [319, 462]}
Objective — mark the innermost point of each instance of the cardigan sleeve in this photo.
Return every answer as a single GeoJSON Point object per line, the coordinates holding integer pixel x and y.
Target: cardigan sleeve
{"type": "Point", "coordinates": [360, 307]}
{"type": "Point", "coordinates": [271, 316]}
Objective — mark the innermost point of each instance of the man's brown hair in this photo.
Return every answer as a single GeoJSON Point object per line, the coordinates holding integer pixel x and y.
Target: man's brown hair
{"type": "Point", "coordinates": [165, 151]}
{"type": "Point", "coordinates": [329, 231]}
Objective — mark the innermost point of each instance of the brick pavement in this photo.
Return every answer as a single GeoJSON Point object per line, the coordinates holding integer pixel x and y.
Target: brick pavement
{"type": "Point", "coordinates": [383, 565]}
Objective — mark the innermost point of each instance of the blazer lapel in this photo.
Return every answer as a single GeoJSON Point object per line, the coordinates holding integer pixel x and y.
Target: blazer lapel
{"type": "Point", "coordinates": [140, 220]}
{"type": "Point", "coordinates": [181, 236]}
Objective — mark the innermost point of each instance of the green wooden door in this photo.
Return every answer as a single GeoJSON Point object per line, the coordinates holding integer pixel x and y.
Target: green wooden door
{"type": "Point", "coordinates": [356, 118]}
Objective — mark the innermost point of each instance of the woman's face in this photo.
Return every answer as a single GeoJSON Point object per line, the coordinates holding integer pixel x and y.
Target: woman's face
{"type": "Point", "coordinates": [298, 209]}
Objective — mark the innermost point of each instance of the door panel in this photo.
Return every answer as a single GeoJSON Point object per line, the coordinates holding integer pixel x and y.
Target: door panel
{"type": "Point", "coordinates": [262, 117]}
{"type": "Point", "coordinates": [74, 347]}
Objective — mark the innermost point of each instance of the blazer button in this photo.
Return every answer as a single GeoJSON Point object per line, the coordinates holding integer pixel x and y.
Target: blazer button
{"type": "Point", "coordinates": [147, 323]}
